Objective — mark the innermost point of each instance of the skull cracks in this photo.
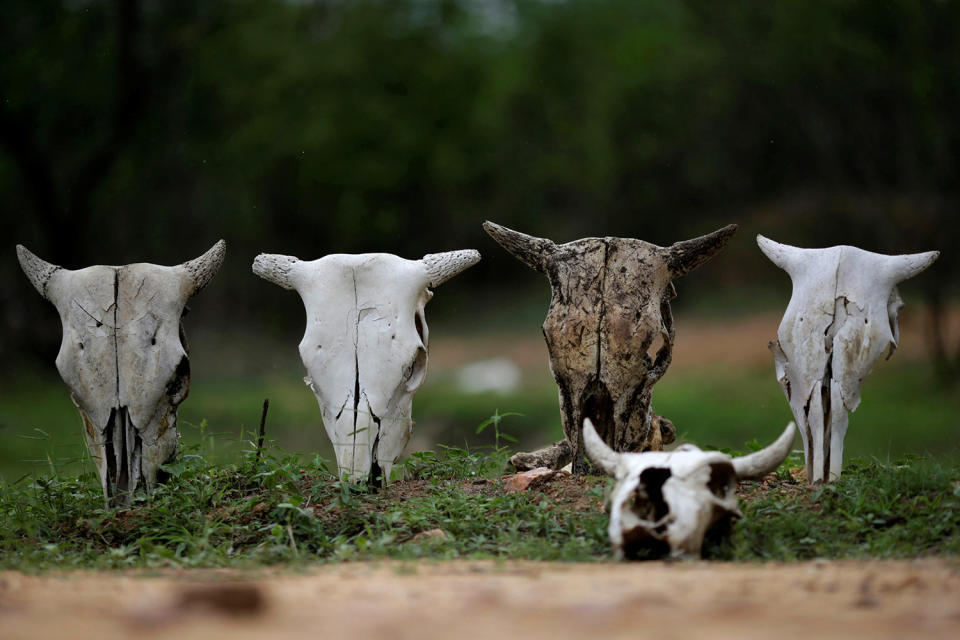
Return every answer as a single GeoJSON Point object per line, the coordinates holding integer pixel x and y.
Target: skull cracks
{"type": "Point", "coordinates": [123, 358]}
{"type": "Point", "coordinates": [365, 345]}
{"type": "Point", "coordinates": [609, 331]}
{"type": "Point", "coordinates": [842, 316]}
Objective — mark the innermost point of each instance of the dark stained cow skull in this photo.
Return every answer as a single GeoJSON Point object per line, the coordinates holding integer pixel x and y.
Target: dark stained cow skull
{"type": "Point", "coordinates": [665, 502]}
{"type": "Point", "coordinates": [365, 345]}
{"type": "Point", "coordinates": [123, 358]}
{"type": "Point", "coordinates": [609, 330]}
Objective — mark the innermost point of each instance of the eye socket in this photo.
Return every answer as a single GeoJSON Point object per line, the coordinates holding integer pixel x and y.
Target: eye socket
{"type": "Point", "coordinates": [421, 329]}
{"type": "Point", "coordinates": [179, 385]}
{"type": "Point", "coordinates": [418, 370]}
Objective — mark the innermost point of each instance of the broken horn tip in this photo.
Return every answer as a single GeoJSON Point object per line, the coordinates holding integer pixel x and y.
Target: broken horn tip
{"type": "Point", "coordinates": [494, 230]}
{"type": "Point", "coordinates": [24, 253]}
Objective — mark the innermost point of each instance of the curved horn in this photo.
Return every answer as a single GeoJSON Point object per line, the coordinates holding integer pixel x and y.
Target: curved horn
{"type": "Point", "coordinates": [899, 268]}
{"type": "Point", "coordinates": [600, 454]}
{"type": "Point", "coordinates": [38, 271]}
{"type": "Point", "coordinates": [200, 271]}
{"type": "Point", "coordinates": [530, 250]}
{"type": "Point", "coordinates": [443, 266]}
{"type": "Point", "coordinates": [783, 255]}
{"type": "Point", "coordinates": [684, 257]}
{"type": "Point", "coordinates": [276, 268]}
{"type": "Point", "coordinates": [762, 462]}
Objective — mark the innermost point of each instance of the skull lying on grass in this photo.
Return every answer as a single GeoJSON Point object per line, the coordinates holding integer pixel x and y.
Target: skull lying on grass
{"type": "Point", "coordinates": [842, 316]}
{"type": "Point", "coordinates": [666, 501]}
{"type": "Point", "coordinates": [365, 345]}
{"type": "Point", "coordinates": [609, 331]}
{"type": "Point", "coordinates": [123, 358]}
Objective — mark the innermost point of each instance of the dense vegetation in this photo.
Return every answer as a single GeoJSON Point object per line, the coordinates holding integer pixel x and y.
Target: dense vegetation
{"type": "Point", "coordinates": [133, 130]}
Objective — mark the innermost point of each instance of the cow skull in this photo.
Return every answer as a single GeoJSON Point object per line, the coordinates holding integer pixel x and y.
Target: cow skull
{"type": "Point", "coordinates": [609, 331]}
{"type": "Point", "coordinates": [842, 316]}
{"type": "Point", "coordinates": [365, 345]}
{"type": "Point", "coordinates": [123, 358]}
{"type": "Point", "coordinates": [666, 501]}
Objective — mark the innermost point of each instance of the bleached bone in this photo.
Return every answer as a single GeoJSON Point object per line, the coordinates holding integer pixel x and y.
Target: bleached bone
{"type": "Point", "coordinates": [842, 316]}
{"type": "Point", "coordinates": [609, 310]}
{"type": "Point", "coordinates": [365, 345]}
{"type": "Point", "coordinates": [123, 359]}
{"type": "Point", "coordinates": [666, 501]}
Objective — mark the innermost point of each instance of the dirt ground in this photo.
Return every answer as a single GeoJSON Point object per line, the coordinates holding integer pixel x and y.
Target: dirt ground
{"type": "Point", "coordinates": [466, 599]}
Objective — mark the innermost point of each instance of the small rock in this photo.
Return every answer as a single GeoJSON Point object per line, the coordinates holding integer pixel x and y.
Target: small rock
{"type": "Point", "coordinates": [532, 479]}
{"type": "Point", "coordinates": [431, 535]}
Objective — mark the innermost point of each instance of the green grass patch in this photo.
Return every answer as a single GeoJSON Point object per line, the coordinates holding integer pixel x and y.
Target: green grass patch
{"type": "Point", "coordinates": [277, 509]}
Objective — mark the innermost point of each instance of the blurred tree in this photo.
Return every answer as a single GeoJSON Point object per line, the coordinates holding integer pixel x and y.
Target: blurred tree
{"type": "Point", "coordinates": [144, 130]}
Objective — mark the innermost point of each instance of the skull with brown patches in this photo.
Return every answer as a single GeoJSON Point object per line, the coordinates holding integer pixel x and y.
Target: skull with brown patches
{"type": "Point", "coordinates": [666, 502]}
{"type": "Point", "coordinates": [841, 318]}
{"type": "Point", "coordinates": [609, 331]}
{"type": "Point", "coordinates": [123, 358]}
{"type": "Point", "coordinates": [365, 345]}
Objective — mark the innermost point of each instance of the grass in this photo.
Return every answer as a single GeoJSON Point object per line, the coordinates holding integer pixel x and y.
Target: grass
{"type": "Point", "coordinates": [276, 509]}
{"type": "Point", "coordinates": [903, 412]}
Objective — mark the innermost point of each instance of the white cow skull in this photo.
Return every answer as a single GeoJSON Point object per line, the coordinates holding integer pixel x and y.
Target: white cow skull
{"type": "Point", "coordinates": [365, 345]}
{"type": "Point", "coordinates": [123, 359]}
{"type": "Point", "coordinates": [842, 316]}
{"type": "Point", "coordinates": [666, 501]}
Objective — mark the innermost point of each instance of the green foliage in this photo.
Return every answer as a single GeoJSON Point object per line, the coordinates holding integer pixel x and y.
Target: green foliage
{"type": "Point", "coordinates": [323, 127]}
{"type": "Point", "coordinates": [875, 510]}
{"type": "Point", "coordinates": [272, 509]}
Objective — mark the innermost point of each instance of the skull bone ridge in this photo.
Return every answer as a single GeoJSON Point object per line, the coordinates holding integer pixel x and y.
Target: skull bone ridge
{"type": "Point", "coordinates": [122, 357]}
{"type": "Point", "coordinates": [609, 330]}
{"type": "Point", "coordinates": [665, 502]}
{"type": "Point", "coordinates": [841, 318]}
{"type": "Point", "coordinates": [365, 345]}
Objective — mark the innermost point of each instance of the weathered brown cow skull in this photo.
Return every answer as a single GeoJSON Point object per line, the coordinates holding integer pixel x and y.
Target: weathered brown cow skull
{"type": "Point", "coordinates": [123, 358]}
{"type": "Point", "coordinates": [609, 331]}
{"type": "Point", "coordinates": [665, 502]}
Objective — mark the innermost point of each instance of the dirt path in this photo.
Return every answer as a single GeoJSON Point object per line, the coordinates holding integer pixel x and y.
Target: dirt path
{"type": "Point", "coordinates": [488, 600]}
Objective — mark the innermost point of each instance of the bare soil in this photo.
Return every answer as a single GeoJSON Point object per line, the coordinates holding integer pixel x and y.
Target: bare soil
{"type": "Point", "coordinates": [466, 599]}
